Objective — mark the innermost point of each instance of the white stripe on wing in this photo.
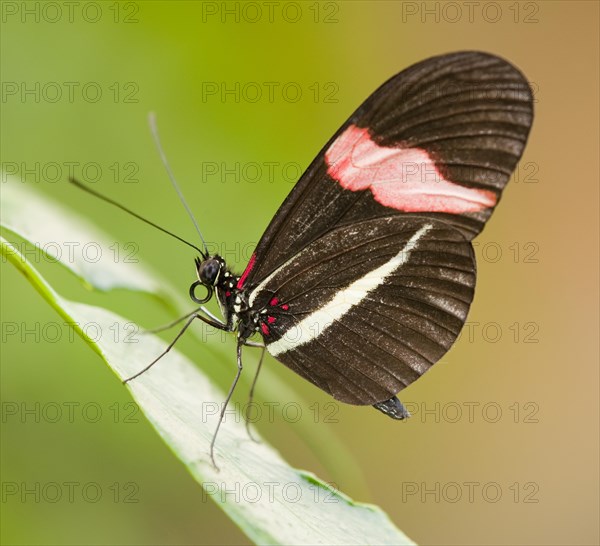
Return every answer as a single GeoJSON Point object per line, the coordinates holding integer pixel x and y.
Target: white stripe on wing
{"type": "Point", "coordinates": [315, 324]}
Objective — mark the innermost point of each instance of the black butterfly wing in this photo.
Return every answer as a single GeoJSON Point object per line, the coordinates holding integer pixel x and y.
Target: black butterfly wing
{"type": "Point", "coordinates": [364, 277]}
{"type": "Point", "coordinates": [439, 139]}
{"type": "Point", "coordinates": [366, 309]}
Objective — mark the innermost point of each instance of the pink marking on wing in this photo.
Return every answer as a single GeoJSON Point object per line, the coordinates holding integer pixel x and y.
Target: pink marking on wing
{"type": "Point", "coordinates": [271, 320]}
{"type": "Point", "coordinates": [274, 301]}
{"type": "Point", "coordinates": [242, 279]}
{"type": "Point", "coordinates": [265, 329]}
{"type": "Point", "coordinates": [285, 306]}
{"type": "Point", "coordinates": [405, 179]}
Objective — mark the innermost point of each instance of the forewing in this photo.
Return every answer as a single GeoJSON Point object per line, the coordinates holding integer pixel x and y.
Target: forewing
{"type": "Point", "coordinates": [439, 139]}
{"type": "Point", "coordinates": [366, 309]}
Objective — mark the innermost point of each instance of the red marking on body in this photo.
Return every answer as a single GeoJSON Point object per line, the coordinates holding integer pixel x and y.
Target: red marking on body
{"type": "Point", "coordinates": [271, 320]}
{"type": "Point", "coordinates": [405, 179]}
{"type": "Point", "coordinates": [242, 279]}
{"type": "Point", "coordinates": [265, 329]}
{"type": "Point", "coordinates": [285, 306]}
{"type": "Point", "coordinates": [274, 301]}
{"type": "Point", "coordinates": [227, 294]}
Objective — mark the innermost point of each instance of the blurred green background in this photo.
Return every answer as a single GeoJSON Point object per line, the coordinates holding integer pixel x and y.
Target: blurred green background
{"type": "Point", "coordinates": [503, 444]}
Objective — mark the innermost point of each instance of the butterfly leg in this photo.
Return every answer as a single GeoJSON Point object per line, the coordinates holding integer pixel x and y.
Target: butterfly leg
{"type": "Point", "coordinates": [251, 395]}
{"type": "Point", "coordinates": [169, 324]}
{"type": "Point", "coordinates": [393, 407]}
{"type": "Point", "coordinates": [180, 319]}
{"type": "Point", "coordinates": [248, 343]}
{"type": "Point", "coordinates": [240, 344]}
{"type": "Point", "coordinates": [209, 321]}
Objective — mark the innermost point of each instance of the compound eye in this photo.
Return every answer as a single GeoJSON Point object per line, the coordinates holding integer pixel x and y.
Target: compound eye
{"type": "Point", "coordinates": [209, 271]}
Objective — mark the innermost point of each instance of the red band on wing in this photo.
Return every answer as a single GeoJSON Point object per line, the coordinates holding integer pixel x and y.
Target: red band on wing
{"type": "Point", "coordinates": [242, 279]}
{"type": "Point", "coordinates": [405, 179]}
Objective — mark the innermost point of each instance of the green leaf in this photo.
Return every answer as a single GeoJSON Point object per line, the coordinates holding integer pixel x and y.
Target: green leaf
{"type": "Point", "coordinates": [43, 223]}
{"type": "Point", "coordinates": [270, 501]}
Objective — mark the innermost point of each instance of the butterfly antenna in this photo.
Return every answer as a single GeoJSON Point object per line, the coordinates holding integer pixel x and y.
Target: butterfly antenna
{"type": "Point", "coordinates": [83, 187]}
{"type": "Point", "coordinates": [163, 157]}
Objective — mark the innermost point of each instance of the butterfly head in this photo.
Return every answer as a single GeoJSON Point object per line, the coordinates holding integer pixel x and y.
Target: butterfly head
{"type": "Point", "coordinates": [209, 272]}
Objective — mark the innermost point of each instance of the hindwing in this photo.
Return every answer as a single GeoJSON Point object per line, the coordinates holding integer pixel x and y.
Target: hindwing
{"type": "Point", "coordinates": [366, 309]}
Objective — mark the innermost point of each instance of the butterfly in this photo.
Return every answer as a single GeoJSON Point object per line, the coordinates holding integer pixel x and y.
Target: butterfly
{"type": "Point", "coordinates": [364, 277]}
